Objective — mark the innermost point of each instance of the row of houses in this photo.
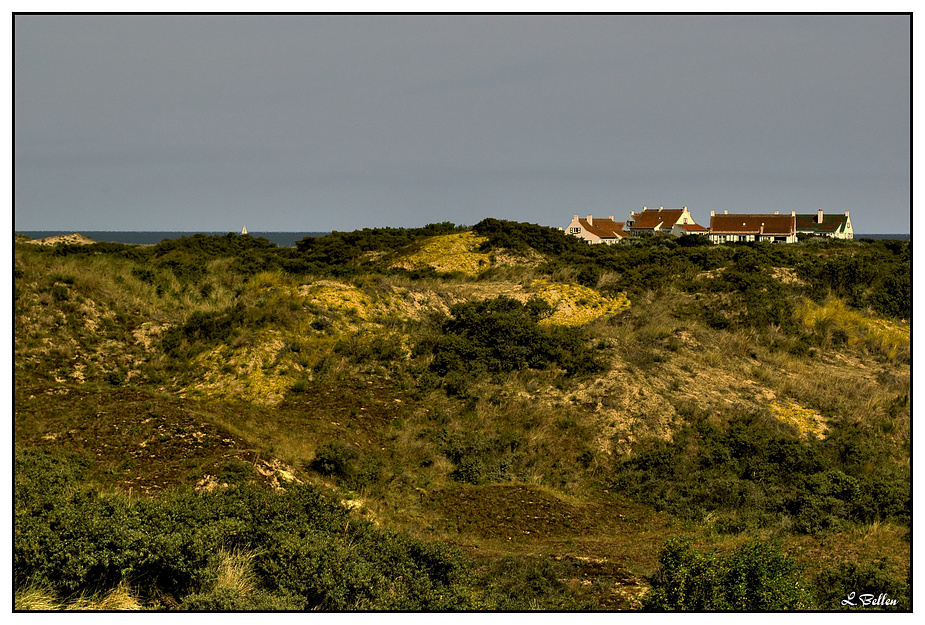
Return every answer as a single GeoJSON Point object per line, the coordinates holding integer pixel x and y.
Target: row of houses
{"type": "Point", "coordinates": [725, 228]}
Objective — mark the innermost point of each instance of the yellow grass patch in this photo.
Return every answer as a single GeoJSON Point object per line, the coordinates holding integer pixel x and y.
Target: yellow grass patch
{"type": "Point", "coordinates": [808, 422]}
{"type": "Point", "coordinates": [244, 373]}
{"type": "Point", "coordinates": [889, 337]}
{"type": "Point", "coordinates": [337, 296]}
{"type": "Point", "coordinates": [575, 304]}
{"type": "Point", "coordinates": [449, 252]}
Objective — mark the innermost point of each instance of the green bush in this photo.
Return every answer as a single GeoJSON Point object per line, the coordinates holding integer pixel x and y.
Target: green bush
{"type": "Point", "coordinates": [478, 458]}
{"type": "Point", "coordinates": [756, 577]}
{"type": "Point", "coordinates": [502, 335]}
{"type": "Point", "coordinates": [755, 473]}
{"type": "Point", "coordinates": [308, 551]}
{"type": "Point", "coordinates": [337, 459]}
{"type": "Point", "coordinates": [853, 585]}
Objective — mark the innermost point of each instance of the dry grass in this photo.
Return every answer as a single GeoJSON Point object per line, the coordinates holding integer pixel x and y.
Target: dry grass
{"type": "Point", "coordinates": [234, 572]}
{"type": "Point", "coordinates": [119, 599]}
{"type": "Point", "coordinates": [890, 339]}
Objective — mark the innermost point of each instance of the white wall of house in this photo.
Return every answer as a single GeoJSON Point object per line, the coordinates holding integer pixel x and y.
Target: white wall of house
{"type": "Point", "coordinates": [846, 231]}
{"type": "Point", "coordinates": [577, 230]}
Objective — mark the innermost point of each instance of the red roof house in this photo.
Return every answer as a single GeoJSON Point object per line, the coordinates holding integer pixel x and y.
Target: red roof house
{"type": "Point", "coordinates": [728, 228]}
{"type": "Point", "coordinates": [659, 221]}
{"type": "Point", "coordinates": [597, 229]}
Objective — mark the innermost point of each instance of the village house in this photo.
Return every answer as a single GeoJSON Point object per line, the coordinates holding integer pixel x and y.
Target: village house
{"type": "Point", "coordinates": [728, 228]}
{"type": "Point", "coordinates": [597, 229]}
{"type": "Point", "coordinates": [834, 226]}
{"type": "Point", "coordinates": [680, 230]}
{"type": "Point", "coordinates": [662, 221]}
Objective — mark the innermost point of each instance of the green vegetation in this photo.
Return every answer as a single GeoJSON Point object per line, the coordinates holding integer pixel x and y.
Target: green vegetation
{"type": "Point", "coordinates": [444, 418]}
{"type": "Point", "coordinates": [304, 551]}
{"type": "Point", "coordinates": [756, 473]}
{"type": "Point", "coordinates": [755, 577]}
{"type": "Point", "coordinates": [502, 335]}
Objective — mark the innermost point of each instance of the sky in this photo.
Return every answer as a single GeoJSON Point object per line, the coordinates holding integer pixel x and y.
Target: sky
{"type": "Point", "coordinates": [319, 123]}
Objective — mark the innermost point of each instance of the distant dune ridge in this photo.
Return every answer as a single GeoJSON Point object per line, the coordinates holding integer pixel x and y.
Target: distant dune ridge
{"type": "Point", "coordinates": [75, 238]}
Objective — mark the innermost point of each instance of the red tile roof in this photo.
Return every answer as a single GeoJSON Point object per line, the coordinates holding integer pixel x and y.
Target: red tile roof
{"type": "Point", "coordinates": [650, 219]}
{"type": "Point", "coordinates": [693, 227]}
{"type": "Point", "coordinates": [753, 224]}
{"type": "Point", "coordinates": [604, 228]}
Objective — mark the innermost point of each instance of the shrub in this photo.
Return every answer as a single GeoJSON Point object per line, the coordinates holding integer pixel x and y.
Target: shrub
{"type": "Point", "coordinates": [337, 459]}
{"type": "Point", "coordinates": [478, 458]}
{"type": "Point", "coordinates": [502, 335]}
{"type": "Point", "coordinates": [304, 549]}
{"type": "Point", "coordinates": [756, 577]}
{"type": "Point", "coordinates": [853, 585]}
{"type": "Point", "coordinates": [756, 470]}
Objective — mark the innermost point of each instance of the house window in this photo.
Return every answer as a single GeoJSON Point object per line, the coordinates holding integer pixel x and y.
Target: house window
{"type": "Point", "coordinates": [574, 230]}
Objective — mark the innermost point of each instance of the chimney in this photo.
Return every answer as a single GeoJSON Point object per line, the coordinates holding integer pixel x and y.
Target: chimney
{"type": "Point", "coordinates": [590, 220]}
{"type": "Point", "coordinates": [819, 216]}
{"type": "Point", "coordinates": [712, 213]}
{"type": "Point", "coordinates": [777, 212]}
{"type": "Point", "coordinates": [661, 208]}
{"type": "Point", "coordinates": [644, 208]}
{"type": "Point", "coordinates": [611, 218]}
{"type": "Point", "coordinates": [846, 213]}
{"type": "Point", "coordinates": [793, 213]}
{"type": "Point", "coordinates": [574, 217]}
{"type": "Point", "coordinates": [725, 212]}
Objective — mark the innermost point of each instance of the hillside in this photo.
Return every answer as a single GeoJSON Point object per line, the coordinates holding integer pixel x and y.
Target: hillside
{"type": "Point", "coordinates": [499, 417]}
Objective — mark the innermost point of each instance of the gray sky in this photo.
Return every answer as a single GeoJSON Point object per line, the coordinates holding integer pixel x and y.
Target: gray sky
{"type": "Point", "coordinates": [314, 123]}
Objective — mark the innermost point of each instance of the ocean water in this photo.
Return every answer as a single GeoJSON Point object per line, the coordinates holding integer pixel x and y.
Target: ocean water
{"type": "Point", "coordinates": [282, 239]}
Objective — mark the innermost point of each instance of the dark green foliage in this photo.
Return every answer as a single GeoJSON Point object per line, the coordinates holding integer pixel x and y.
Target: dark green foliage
{"type": "Point", "coordinates": [756, 577]}
{"type": "Point", "coordinates": [370, 349]}
{"type": "Point", "coordinates": [478, 458]}
{"type": "Point", "coordinates": [185, 271]}
{"type": "Point", "coordinates": [754, 473]}
{"type": "Point", "coordinates": [856, 586]}
{"type": "Point", "coordinates": [540, 583]}
{"type": "Point", "coordinates": [307, 552]}
{"type": "Point", "coordinates": [337, 459]}
{"type": "Point", "coordinates": [204, 329]}
{"type": "Point", "coordinates": [116, 377]}
{"type": "Point", "coordinates": [340, 253]}
{"type": "Point", "coordinates": [236, 471]}
{"type": "Point", "coordinates": [522, 236]}
{"type": "Point", "coordinates": [502, 335]}
{"type": "Point", "coordinates": [870, 274]}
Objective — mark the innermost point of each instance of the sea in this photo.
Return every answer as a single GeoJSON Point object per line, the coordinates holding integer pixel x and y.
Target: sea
{"type": "Point", "coordinates": [282, 239]}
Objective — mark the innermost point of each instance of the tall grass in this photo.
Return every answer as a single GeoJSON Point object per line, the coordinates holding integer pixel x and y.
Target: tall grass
{"type": "Point", "coordinates": [835, 323]}
{"type": "Point", "coordinates": [41, 599]}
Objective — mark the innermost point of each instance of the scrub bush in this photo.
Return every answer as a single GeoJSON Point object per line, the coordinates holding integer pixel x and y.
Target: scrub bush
{"type": "Point", "coordinates": [503, 335]}
{"type": "Point", "coordinates": [307, 552]}
{"type": "Point", "coordinates": [755, 577]}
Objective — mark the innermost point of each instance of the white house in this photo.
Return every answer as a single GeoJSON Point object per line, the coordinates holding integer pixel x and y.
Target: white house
{"type": "Point", "coordinates": [834, 226]}
{"type": "Point", "coordinates": [728, 228]}
{"type": "Point", "coordinates": [597, 229]}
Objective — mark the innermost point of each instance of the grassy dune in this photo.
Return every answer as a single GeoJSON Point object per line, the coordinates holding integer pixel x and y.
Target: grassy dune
{"type": "Point", "coordinates": [724, 395]}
